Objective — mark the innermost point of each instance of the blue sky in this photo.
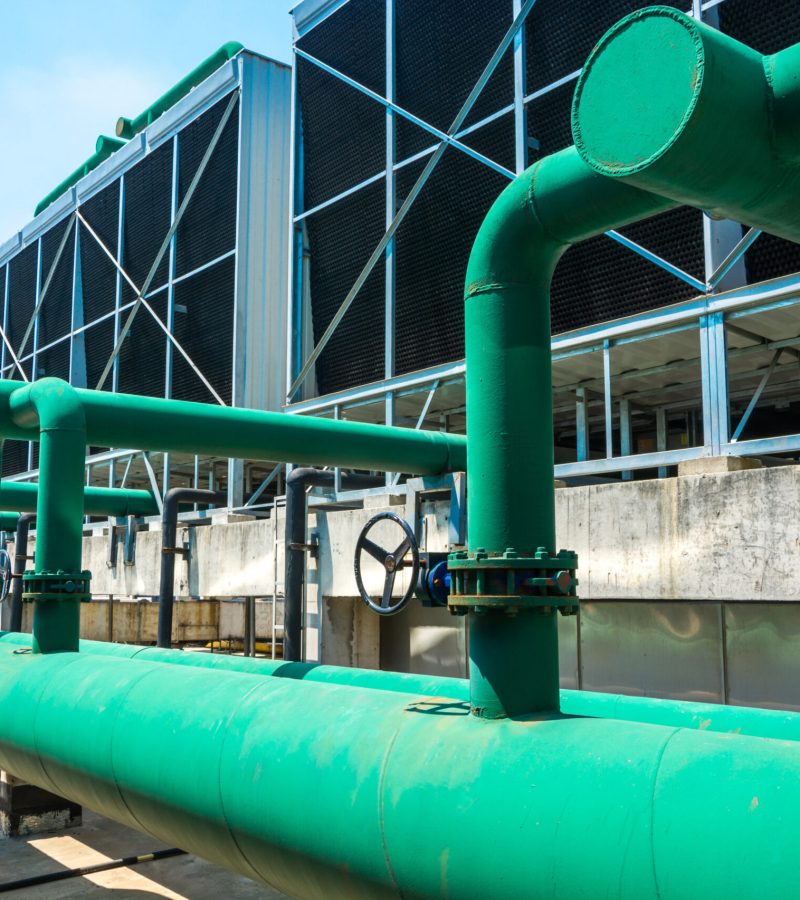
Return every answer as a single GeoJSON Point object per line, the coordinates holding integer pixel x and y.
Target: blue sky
{"type": "Point", "coordinates": [70, 68]}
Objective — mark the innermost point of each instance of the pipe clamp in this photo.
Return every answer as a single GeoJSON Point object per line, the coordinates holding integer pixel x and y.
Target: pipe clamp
{"type": "Point", "coordinates": [58, 585]}
{"type": "Point", "coordinates": [508, 581]}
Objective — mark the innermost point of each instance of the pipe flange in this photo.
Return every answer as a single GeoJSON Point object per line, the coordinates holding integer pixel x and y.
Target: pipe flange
{"type": "Point", "coordinates": [543, 582]}
{"type": "Point", "coordinates": [58, 585]}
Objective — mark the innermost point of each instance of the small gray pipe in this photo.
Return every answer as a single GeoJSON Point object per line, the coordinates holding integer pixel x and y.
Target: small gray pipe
{"type": "Point", "coordinates": [297, 481]}
{"type": "Point", "coordinates": [169, 528]}
{"type": "Point", "coordinates": [20, 558]}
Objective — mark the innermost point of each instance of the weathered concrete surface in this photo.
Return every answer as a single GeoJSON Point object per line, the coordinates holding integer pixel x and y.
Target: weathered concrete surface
{"type": "Point", "coordinates": [100, 840]}
{"type": "Point", "coordinates": [732, 536]}
{"type": "Point", "coordinates": [717, 465]}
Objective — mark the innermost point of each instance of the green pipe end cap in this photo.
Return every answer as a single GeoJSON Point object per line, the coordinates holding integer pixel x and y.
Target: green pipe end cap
{"type": "Point", "coordinates": [638, 90]}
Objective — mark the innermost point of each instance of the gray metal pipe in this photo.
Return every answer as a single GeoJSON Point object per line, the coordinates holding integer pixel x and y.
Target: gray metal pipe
{"type": "Point", "coordinates": [20, 558]}
{"type": "Point", "coordinates": [169, 527]}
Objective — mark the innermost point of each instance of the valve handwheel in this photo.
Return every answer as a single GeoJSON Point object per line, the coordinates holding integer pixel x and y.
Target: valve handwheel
{"type": "Point", "coordinates": [392, 561]}
{"type": "Point", "coordinates": [5, 574]}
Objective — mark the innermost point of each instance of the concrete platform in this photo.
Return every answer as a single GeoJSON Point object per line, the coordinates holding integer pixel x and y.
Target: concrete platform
{"type": "Point", "coordinates": [99, 840]}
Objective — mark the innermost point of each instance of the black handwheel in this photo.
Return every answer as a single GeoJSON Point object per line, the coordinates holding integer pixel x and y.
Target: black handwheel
{"type": "Point", "coordinates": [391, 560]}
{"type": "Point", "coordinates": [5, 574]}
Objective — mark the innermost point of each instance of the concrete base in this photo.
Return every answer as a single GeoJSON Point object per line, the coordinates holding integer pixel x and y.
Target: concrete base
{"type": "Point", "coordinates": [26, 809]}
{"type": "Point", "coordinates": [717, 465]}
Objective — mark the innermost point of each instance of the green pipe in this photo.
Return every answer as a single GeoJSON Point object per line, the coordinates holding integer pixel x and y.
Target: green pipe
{"type": "Point", "coordinates": [104, 147]}
{"type": "Point", "coordinates": [57, 585]}
{"type": "Point", "coordinates": [127, 128]}
{"type": "Point", "coordinates": [147, 423]}
{"type": "Point", "coordinates": [97, 501]}
{"type": "Point", "coordinates": [752, 721]}
{"type": "Point", "coordinates": [329, 791]}
{"type": "Point", "coordinates": [692, 94]}
{"type": "Point", "coordinates": [8, 520]}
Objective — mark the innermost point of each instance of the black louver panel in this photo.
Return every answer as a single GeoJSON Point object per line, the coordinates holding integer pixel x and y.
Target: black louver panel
{"type": "Point", "coordinates": [343, 237]}
{"type": "Point", "coordinates": [748, 21]}
{"type": "Point", "coordinates": [142, 356]}
{"type": "Point", "coordinates": [22, 299]}
{"type": "Point", "coordinates": [55, 315]}
{"type": "Point", "coordinates": [148, 198]}
{"type": "Point", "coordinates": [208, 226]}
{"type": "Point", "coordinates": [98, 283]}
{"type": "Point", "coordinates": [345, 143]}
{"type": "Point", "coordinates": [204, 328]}
{"type": "Point", "coordinates": [438, 63]}
{"type": "Point", "coordinates": [15, 457]}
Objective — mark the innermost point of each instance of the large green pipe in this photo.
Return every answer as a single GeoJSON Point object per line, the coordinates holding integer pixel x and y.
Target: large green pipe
{"type": "Point", "coordinates": [752, 721]}
{"type": "Point", "coordinates": [127, 128]}
{"type": "Point", "coordinates": [147, 423]}
{"type": "Point", "coordinates": [685, 89]}
{"type": "Point", "coordinates": [104, 147]}
{"type": "Point", "coordinates": [329, 791]}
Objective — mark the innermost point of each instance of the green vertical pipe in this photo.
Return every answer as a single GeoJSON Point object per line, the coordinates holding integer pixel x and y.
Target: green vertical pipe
{"type": "Point", "coordinates": [560, 200]}
{"type": "Point", "coordinates": [8, 520]}
{"type": "Point", "coordinates": [54, 407]}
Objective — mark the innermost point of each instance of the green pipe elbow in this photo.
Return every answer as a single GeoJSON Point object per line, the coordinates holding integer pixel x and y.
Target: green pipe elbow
{"type": "Point", "coordinates": [127, 128]}
{"type": "Point", "coordinates": [783, 75]}
{"type": "Point", "coordinates": [55, 408]}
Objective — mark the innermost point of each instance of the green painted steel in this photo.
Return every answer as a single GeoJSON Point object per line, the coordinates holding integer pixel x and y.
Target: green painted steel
{"type": "Point", "coordinates": [54, 408]}
{"type": "Point", "coordinates": [127, 128]}
{"type": "Point", "coordinates": [752, 721]}
{"type": "Point", "coordinates": [22, 496]}
{"type": "Point", "coordinates": [409, 797]}
{"type": "Point", "coordinates": [147, 423]}
{"type": "Point", "coordinates": [104, 147]}
{"type": "Point", "coordinates": [510, 498]}
{"type": "Point", "coordinates": [8, 520]}
{"type": "Point", "coordinates": [692, 95]}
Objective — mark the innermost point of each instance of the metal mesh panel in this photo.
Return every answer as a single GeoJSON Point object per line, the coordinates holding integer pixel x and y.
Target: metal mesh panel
{"type": "Point", "coordinates": [342, 238]}
{"type": "Point", "coordinates": [749, 22]}
{"type": "Point", "coordinates": [55, 316]}
{"type": "Point", "coordinates": [208, 226]}
{"type": "Point", "coordinates": [205, 331]}
{"type": "Point", "coordinates": [342, 129]}
{"type": "Point", "coordinates": [142, 356]}
{"type": "Point", "coordinates": [433, 245]}
{"type": "Point", "coordinates": [99, 280]}
{"type": "Point", "coordinates": [15, 457]}
{"type": "Point", "coordinates": [439, 60]}
{"type": "Point", "coordinates": [148, 195]}
{"type": "Point", "coordinates": [22, 298]}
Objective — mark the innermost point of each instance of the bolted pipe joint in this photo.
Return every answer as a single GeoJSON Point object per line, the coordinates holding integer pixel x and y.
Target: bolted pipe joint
{"type": "Point", "coordinates": [54, 407]}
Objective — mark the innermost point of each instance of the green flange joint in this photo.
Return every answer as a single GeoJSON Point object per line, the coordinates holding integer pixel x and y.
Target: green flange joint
{"type": "Point", "coordinates": [543, 582]}
{"type": "Point", "coordinates": [58, 585]}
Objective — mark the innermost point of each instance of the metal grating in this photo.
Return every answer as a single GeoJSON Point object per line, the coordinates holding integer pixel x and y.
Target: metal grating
{"type": "Point", "coordinates": [208, 226]}
{"type": "Point", "coordinates": [148, 196]}
{"type": "Point", "coordinates": [22, 298]}
{"type": "Point", "coordinates": [342, 238]}
{"type": "Point", "coordinates": [55, 315]}
{"type": "Point", "coordinates": [142, 356]}
{"type": "Point", "coordinates": [99, 280]}
{"type": "Point", "coordinates": [205, 331]}
{"type": "Point", "coordinates": [343, 138]}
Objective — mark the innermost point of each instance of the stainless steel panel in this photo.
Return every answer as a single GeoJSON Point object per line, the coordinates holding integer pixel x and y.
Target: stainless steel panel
{"type": "Point", "coordinates": [652, 649]}
{"type": "Point", "coordinates": [568, 651]}
{"type": "Point", "coordinates": [762, 654]}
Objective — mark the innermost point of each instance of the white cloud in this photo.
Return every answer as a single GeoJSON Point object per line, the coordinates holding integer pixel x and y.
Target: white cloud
{"type": "Point", "coordinates": [52, 116]}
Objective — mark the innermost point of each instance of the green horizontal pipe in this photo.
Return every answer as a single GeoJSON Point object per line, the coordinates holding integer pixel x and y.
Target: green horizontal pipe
{"type": "Point", "coordinates": [709, 121]}
{"type": "Point", "coordinates": [97, 501]}
{"type": "Point", "coordinates": [8, 520]}
{"type": "Point", "coordinates": [104, 147]}
{"type": "Point", "coordinates": [127, 128]}
{"type": "Point", "coordinates": [330, 791]}
{"type": "Point", "coordinates": [753, 721]}
{"type": "Point", "coordinates": [147, 423]}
